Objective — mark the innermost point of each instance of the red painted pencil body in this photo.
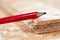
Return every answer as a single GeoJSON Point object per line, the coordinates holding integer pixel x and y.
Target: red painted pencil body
{"type": "Point", "coordinates": [21, 17]}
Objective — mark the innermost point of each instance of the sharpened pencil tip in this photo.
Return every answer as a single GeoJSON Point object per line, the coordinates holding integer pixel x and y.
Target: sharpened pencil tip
{"type": "Point", "coordinates": [44, 13]}
{"type": "Point", "coordinates": [41, 13]}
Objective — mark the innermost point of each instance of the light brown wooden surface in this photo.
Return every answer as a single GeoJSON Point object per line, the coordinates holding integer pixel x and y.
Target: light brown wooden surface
{"type": "Point", "coordinates": [19, 31]}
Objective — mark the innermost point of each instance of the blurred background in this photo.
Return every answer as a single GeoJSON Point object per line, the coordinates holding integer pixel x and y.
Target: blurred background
{"type": "Point", "coordinates": [55, 3]}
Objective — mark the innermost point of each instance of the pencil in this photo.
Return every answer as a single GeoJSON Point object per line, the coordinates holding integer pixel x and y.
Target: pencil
{"type": "Point", "coordinates": [21, 17]}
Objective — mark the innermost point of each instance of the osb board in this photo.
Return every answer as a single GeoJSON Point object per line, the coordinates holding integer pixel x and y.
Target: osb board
{"type": "Point", "coordinates": [19, 31]}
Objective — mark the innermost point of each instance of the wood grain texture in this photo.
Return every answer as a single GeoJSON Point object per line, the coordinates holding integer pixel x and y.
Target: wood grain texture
{"type": "Point", "coordinates": [19, 30]}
